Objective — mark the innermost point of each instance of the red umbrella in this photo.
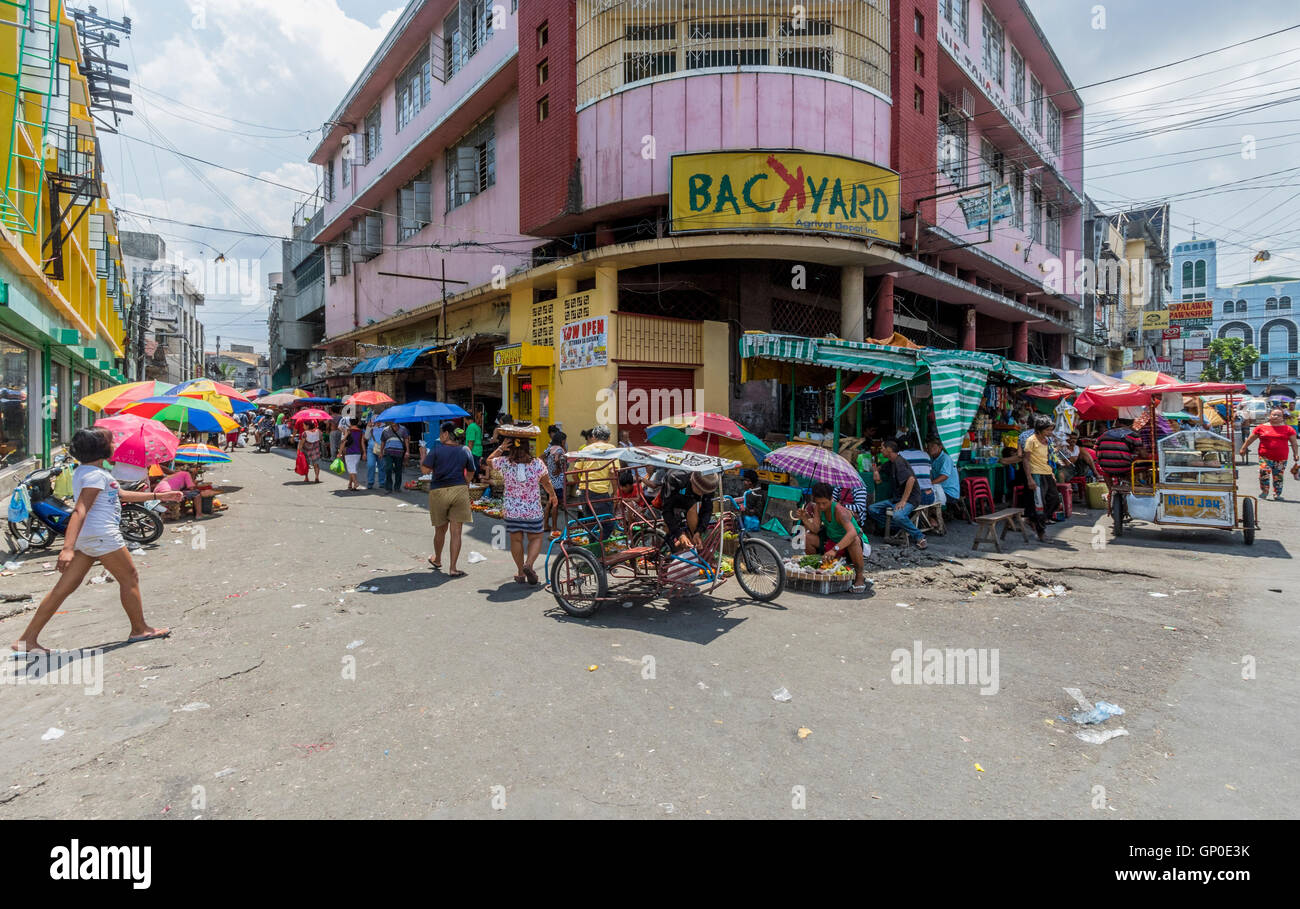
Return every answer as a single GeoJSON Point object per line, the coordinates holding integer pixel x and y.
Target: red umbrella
{"type": "Point", "coordinates": [139, 441]}
{"type": "Point", "coordinates": [311, 413]}
{"type": "Point", "coordinates": [368, 398]}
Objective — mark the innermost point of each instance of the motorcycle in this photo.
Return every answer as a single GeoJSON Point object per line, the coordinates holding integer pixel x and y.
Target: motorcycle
{"type": "Point", "coordinates": [141, 523]}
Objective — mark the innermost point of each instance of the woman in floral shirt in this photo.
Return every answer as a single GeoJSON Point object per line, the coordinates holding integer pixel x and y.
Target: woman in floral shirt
{"type": "Point", "coordinates": [525, 477]}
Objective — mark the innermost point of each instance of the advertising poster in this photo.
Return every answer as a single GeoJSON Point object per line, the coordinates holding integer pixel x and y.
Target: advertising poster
{"type": "Point", "coordinates": [584, 343]}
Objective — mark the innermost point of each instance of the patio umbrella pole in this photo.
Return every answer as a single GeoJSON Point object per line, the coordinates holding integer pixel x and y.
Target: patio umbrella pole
{"type": "Point", "coordinates": [912, 408]}
{"type": "Point", "coordinates": [835, 409]}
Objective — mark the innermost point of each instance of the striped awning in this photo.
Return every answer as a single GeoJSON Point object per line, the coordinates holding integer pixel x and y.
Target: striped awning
{"type": "Point", "coordinates": [833, 353]}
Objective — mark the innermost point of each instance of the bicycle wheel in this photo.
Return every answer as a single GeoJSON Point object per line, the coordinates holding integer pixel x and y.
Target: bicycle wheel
{"type": "Point", "coordinates": [578, 582]}
{"type": "Point", "coordinates": [140, 525]}
{"type": "Point", "coordinates": [33, 532]}
{"type": "Point", "coordinates": [759, 569]}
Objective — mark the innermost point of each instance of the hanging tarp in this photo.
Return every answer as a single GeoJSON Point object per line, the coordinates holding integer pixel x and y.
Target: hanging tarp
{"type": "Point", "coordinates": [957, 381]}
{"type": "Point", "coordinates": [1082, 378]}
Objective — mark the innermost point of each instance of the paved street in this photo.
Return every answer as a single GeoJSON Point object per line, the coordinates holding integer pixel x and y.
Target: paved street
{"type": "Point", "coordinates": [465, 685]}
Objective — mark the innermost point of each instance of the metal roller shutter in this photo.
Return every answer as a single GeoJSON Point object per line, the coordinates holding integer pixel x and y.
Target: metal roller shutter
{"type": "Point", "coordinates": [648, 395]}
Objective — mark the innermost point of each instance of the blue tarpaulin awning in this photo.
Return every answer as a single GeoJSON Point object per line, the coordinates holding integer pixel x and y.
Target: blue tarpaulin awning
{"type": "Point", "coordinates": [403, 359]}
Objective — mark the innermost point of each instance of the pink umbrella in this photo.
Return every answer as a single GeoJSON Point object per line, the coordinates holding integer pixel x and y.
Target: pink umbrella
{"type": "Point", "coordinates": [139, 441]}
{"type": "Point", "coordinates": [311, 413]}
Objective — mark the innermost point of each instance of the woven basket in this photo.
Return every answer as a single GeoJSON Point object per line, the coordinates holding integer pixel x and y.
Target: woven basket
{"type": "Point", "coordinates": [817, 581]}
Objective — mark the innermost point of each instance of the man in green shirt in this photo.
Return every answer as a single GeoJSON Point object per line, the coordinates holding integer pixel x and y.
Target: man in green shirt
{"type": "Point", "coordinates": [474, 439]}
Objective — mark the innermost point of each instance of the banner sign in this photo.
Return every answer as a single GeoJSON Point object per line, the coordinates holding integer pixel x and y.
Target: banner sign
{"type": "Point", "coordinates": [783, 191]}
{"type": "Point", "coordinates": [509, 355]}
{"type": "Point", "coordinates": [1155, 319]}
{"type": "Point", "coordinates": [585, 343]}
{"type": "Point", "coordinates": [1195, 508]}
{"type": "Point", "coordinates": [1194, 313]}
{"type": "Point", "coordinates": [976, 208]}
{"type": "Point", "coordinates": [1196, 353]}
{"type": "Point", "coordinates": [1170, 334]}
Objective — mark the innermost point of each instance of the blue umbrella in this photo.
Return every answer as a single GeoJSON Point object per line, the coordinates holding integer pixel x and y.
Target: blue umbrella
{"type": "Point", "coordinates": [420, 412]}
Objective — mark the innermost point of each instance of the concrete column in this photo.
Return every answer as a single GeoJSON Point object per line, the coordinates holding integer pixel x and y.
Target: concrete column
{"type": "Point", "coordinates": [564, 286]}
{"type": "Point", "coordinates": [882, 320]}
{"type": "Point", "coordinates": [852, 303]}
{"type": "Point", "coordinates": [1020, 342]}
{"type": "Point", "coordinates": [968, 330]}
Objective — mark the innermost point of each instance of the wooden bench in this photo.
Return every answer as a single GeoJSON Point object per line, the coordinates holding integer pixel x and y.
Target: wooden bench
{"type": "Point", "coordinates": [925, 517]}
{"type": "Point", "coordinates": [987, 529]}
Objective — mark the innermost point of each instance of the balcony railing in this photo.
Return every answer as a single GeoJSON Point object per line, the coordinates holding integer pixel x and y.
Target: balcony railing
{"type": "Point", "coordinates": [623, 42]}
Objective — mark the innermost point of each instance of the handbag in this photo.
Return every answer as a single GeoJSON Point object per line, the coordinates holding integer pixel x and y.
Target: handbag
{"type": "Point", "coordinates": [338, 467]}
{"type": "Point", "coordinates": [300, 465]}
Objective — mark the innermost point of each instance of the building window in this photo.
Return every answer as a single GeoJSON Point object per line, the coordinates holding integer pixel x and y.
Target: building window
{"type": "Point", "coordinates": [543, 35]}
{"type": "Point", "coordinates": [1241, 306]}
{"type": "Point", "coordinates": [1053, 134]}
{"type": "Point", "coordinates": [991, 163]}
{"type": "Point", "coordinates": [412, 88]}
{"type": "Point", "coordinates": [374, 139]}
{"type": "Point", "coordinates": [1018, 196]}
{"type": "Point", "coordinates": [1188, 280]}
{"type": "Point", "coordinates": [918, 24]}
{"type": "Point", "coordinates": [1017, 80]}
{"type": "Point", "coordinates": [414, 205]}
{"type": "Point", "coordinates": [543, 108]}
{"type": "Point", "coordinates": [1270, 303]}
{"type": "Point", "coordinates": [329, 183]}
{"type": "Point", "coordinates": [471, 164]}
{"type": "Point", "coordinates": [1053, 229]}
{"type": "Point", "coordinates": [647, 66]}
{"type": "Point", "coordinates": [1200, 273]}
{"type": "Point", "coordinates": [952, 142]}
{"type": "Point", "coordinates": [957, 13]}
{"type": "Point", "coordinates": [1036, 216]}
{"type": "Point", "coordinates": [464, 33]}
{"type": "Point", "coordinates": [15, 440]}
{"type": "Point", "coordinates": [1284, 303]}
{"type": "Point", "coordinates": [918, 100]}
{"type": "Point", "coordinates": [918, 62]}
{"type": "Point", "coordinates": [1036, 104]}
{"type": "Point", "coordinates": [994, 49]}
{"type": "Point", "coordinates": [1227, 306]}
{"type": "Point", "coordinates": [543, 72]}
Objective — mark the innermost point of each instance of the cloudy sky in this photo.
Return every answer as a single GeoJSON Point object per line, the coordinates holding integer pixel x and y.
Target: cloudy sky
{"type": "Point", "coordinates": [247, 84]}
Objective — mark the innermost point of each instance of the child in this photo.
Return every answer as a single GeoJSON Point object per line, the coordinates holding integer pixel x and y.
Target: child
{"type": "Point", "coordinates": [94, 536]}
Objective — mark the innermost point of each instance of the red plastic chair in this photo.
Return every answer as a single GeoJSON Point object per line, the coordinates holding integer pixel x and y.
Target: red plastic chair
{"type": "Point", "coordinates": [977, 496]}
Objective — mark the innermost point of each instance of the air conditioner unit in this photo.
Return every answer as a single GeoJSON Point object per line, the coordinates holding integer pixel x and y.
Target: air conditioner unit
{"type": "Point", "coordinates": [967, 108]}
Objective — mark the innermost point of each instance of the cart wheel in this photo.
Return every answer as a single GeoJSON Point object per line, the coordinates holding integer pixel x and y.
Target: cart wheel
{"type": "Point", "coordinates": [759, 569]}
{"type": "Point", "coordinates": [1117, 512]}
{"type": "Point", "coordinates": [648, 536]}
{"type": "Point", "coordinates": [578, 582]}
{"type": "Point", "coordinates": [1248, 521]}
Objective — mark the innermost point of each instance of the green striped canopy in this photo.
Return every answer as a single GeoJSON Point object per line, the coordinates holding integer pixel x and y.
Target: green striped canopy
{"type": "Point", "coordinates": [957, 381]}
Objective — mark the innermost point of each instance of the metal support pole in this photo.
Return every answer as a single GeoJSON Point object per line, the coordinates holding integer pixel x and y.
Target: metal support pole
{"type": "Point", "coordinates": [839, 388]}
{"type": "Point", "coordinates": [793, 392]}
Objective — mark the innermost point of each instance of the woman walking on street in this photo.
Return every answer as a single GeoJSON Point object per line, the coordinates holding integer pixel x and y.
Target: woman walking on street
{"type": "Point", "coordinates": [94, 535]}
{"type": "Point", "coordinates": [354, 451]}
{"type": "Point", "coordinates": [522, 508]}
{"type": "Point", "coordinates": [374, 444]}
{"type": "Point", "coordinates": [556, 465]}
{"type": "Point", "coordinates": [309, 445]}
{"type": "Point", "coordinates": [1275, 437]}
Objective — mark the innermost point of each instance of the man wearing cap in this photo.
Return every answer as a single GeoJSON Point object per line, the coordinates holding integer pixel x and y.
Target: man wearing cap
{"type": "Point", "coordinates": [688, 506]}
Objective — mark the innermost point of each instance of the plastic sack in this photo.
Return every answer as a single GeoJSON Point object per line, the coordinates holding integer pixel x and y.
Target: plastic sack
{"type": "Point", "coordinates": [300, 465]}
{"type": "Point", "coordinates": [338, 467]}
{"type": "Point", "coordinates": [63, 483]}
{"type": "Point", "coordinates": [20, 507]}
{"type": "Point", "coordinates": [1142, 508]}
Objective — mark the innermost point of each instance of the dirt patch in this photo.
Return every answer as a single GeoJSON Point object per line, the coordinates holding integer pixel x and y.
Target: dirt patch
{"type": "Point", "coordinates": [916, 569]}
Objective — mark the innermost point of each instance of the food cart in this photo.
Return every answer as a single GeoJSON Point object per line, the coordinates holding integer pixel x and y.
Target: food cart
{"type": "Point", "coordinates": [1191, 481]}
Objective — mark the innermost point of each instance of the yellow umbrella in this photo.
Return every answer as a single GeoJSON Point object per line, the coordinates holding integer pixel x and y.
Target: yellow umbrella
{"type": "Point", "coordinates": [111, 400]}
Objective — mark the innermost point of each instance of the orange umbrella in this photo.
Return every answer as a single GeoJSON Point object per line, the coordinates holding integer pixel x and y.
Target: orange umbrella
{"type": "Point", "coordinates": [368, 398]}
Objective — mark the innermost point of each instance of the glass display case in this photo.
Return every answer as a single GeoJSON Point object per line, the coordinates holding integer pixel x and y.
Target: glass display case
{"type": "Point", "coordinates": [1196, 457]}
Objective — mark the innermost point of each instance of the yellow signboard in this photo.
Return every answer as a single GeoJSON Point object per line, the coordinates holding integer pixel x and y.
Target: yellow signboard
{"type": "Point", "coordinates": [510, 355]}
{"type": "Point", "coordinates": [783, 191]}
{"type": "Point", "coordinates": [1155, 319]}
{"type": "Point", "coordinates": [1188, 507]}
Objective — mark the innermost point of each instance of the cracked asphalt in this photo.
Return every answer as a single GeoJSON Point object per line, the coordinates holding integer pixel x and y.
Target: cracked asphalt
{"type": "Point", "coordinates": [291, 689]}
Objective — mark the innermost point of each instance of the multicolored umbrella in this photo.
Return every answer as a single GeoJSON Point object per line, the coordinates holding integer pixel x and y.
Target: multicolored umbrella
{"type": "Point", "coordinates": [296, 392]}
{"type": "Point", "coordinates": [221, 396]}
{"type": "Point", "coordinates": [252, 393]}
{"type": "Point", "coordinates": [688, 432]}
{"type": "Point", "coordinates": [202, 454]}
{"type": "Point", "coordinates": [139, 441]}
{"type": "Point", "coordinates": [190, 414]}
{"type": "Point", "coordinates": [368, 398]}
{"type": "Point", "coordinates": [278, 399]}
{"type": "Point", "coordinates": [812, 462]}
{"type": "Point", "coordinates": [112, 400]}
{"type": "Point", "coordinates": [311, 413]}
{"type": "Point", "coordinates": [1147, 377]}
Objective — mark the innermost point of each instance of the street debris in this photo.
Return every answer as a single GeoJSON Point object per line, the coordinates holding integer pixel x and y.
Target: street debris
{"type": "Point", "coordinates": [476, 557]}
{"type": "Point", "coordinates": [51, 734]}
{"type": "Point", "coordinates": [1098, 736]}
{"type": "Point", "coordinates": [781, 695]}
{"type": "Point", "coordinates": [979, 769]}
{"type": "Point", "coordinates": [191, 707]}
{"type": "Point", "coordinates": [220, 773]}
{"type": "Point", "coordinates": [804, 732]}
{"type": "Point", "coordinates": [355, 644]}
{"type": "Point", "coordinates": [1102, 711]}
{"type": "Point", "coordinates": [1156, 593]}
{"type": "Point", "coordinates": [592, 668]}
